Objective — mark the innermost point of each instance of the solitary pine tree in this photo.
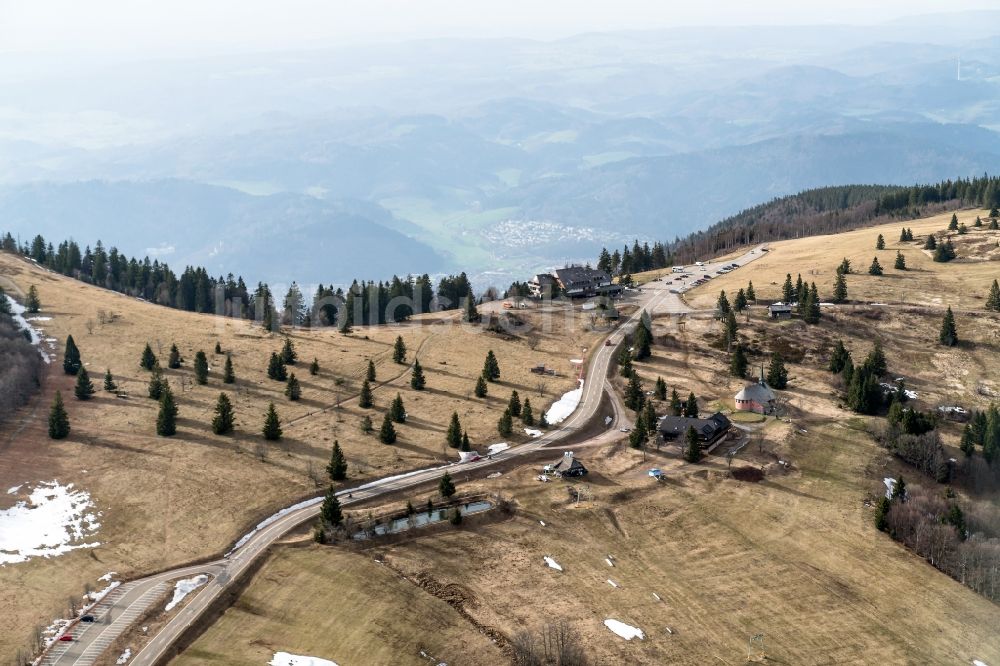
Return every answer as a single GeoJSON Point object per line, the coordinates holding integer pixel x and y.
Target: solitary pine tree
{"type": "Point", "coordinates": [527, 416]}
{"type": "Point", "coordinates": [740, 301]}
{"type": "Point", "coordinates": [882, 509]}
{"type": "Point", "coordinates": [751, 294]}
{"type": "Point", "coordinates": [480, 389]}
{"type": "Point", "coordinates": [166, 420]}
{"type": "Point", "coordinates": [840, 288]}
{"type": "Point", "coordinates": [637, 438]}
{"type": "Point", "coordinates": [788, 289]}
{"type": "Point", "coordinates": [691, 406]}
{"type": "Point", "coordinates": [676, 406]}
{"type": "Point", "coordinates": [471, 314]}
{"type": "Point", "coordinates": [218, 347]}
{"type": "Point", "coordinates": [387, 433]}
{"type": "Point", "coordinates": [71, 357]}
{"type": "Point", "coordinates": [930, 243]}
{"type": "Point", "coordinates": [839, 358]}
{"type": "Point", "coordinates": [366, 424]}
{"type": "Point", "coordinates": [293, 390]}
{"type": "Point", "coordinates": [174, 358]}
{"type": "Point", "coordinates": [491, 368]}
{"type": "Point", "coordinates": [641, 342]}
{"type": "Point", "coordinates": [962, 229]}
{"type": "Point", "coordinates": [953, 225]}
{"type": "Point", "coordinates": [32, 304]}
{"type": "Point", "coordinates": [109, 382]}
{"type": "Point", "coordinates": [466, 446]}
{"type": "Point", "coordinates": [738, 363]}
{"type": "Point", "coordinates": [370, 375]}
{"type": "Point", "coordinates": [875, 268]}
{"type": "Point", "coordinates": [276, 369]}
{"type": "Point", "coordinates": [148, 359]}
{"type": "Point", "coordinates": [228, 376]}
{"type": "Point", "coordinates": [399, 350]}
{"type": "Point", "coordinates": [729, 329]}
{"type": "Point", "coordinates": [902, 235]}
{"type": "Point", "coordinates": [692, 452]}
{"type": "Point", "coordinates": [366, 400]}
{"type": "Point", "coordinates": [417, 381]}
{"type": "Point", "coordinates": [454, 436]}
{"type": "Point", "coordinates": [945, 252]}
{"type": "Point", "coordinates": [58, 418]}
{"type": "Point", "coordinates": [845, 266]}
{"type": "Point", "coordinates": [337, 467]}
{"type": "Point", "coordinates": [880, 243]}
{"type": "Point", "coordinates": [899, 489]}
{"type": "Point", "coordinates": [900, 264]}
{"type": "Point", "coordinates": [660, 391]}
{"type": "Point", "coordinates": [330, 511]}
{"type": "Point", "coordinates": [396, 409]}
{"type": "Point", "coordinates": [272, 424]}
{"type": "Point", "coordinates": [201, 367]}
{"type": "Point", "coordinates": [222, 422]}
{"type": "Point", "coordinates": [634, 396]}
{"type": "Point", "coordinates": [978, 222]}
{"type": "Point", "coordinates": [84, 387]}
{"type": "Point", "coordinates": [314, 367]}
{"type": "Point", "coordinates": [722, 306]}
{"type": "Point", "coordinates": [777, 374]}
{"type": "Point", "coordinates": [156, 383]}
{"type": "Point", "coordinates": [949, 334]}
{"type": "Point", "coordinates": [288, 353]}
{"type": "Point", "coordinates": [993, 300]}
{"type": "Point", "coordinates": [994, 225]}
{"type": "Point", "coordinates": [514, 404]}
{"type": "Point", "coordinates": [505, 426]}
{"type": "Point", "coordinates": [445, 486]}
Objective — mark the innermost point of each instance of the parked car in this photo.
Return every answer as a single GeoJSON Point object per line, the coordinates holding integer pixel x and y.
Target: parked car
{"type": "Point", "coordinates": [88, 618]}
{"type": "Point", "coordinates": [66, 637]}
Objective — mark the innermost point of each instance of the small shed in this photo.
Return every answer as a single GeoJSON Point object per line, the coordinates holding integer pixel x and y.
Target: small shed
{"type": "Point", "coordinates": [779, 311]}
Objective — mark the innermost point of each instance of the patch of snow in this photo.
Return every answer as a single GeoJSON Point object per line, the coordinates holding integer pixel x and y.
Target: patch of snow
{"type": "Point", "coordinates": [286, 659]}
{"type": "Point", "coordinates": [976, 662]}
{"type": "Point", "coordinates": [184, 588]}
{"type": "Point", "coordinates": [270, 519]}
{"type": "Point", "coordinates": [576, 361]}
{"type": "Point", "coordinates": [626, 631]}
{"type": "Point", "coordinates": [468, 456]}
{"type": "Point", "coordinates": [11, 491]}
{"type": "Point", "coordinates": [494, 449]}
{"type": "Point", "coordinates": [552, 563]}
{"type": "Point", "coordinates": [126, 655]}
{"type": "Point", "coordinates": [542, 523]}
{"type": "Point", "coordinates": [108, 576]}
{"type": "Point", "coordinates": [890, 483]}
{"type": "Point", "coordinates": [494, 475]}
{"type": "Point", "coordinates": [37, 318]}
{"type": "Point", "coordinates": [612, 583]}
{"type": "Point", "coordinates": [657, 597]}
{"type": "Point", "coordinates": [531, 432]}
{"type": "Point", "coordinates": [608, 560]}
{"type": "Point", "coordinates": [565, 406]}
{"type": "Point", "coordinates": [17, 312]}
{"type": "Point", "coordinates": [54, 520]}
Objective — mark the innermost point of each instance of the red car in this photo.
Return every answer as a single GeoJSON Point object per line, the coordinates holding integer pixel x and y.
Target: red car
{"type": "Point", "coordinates": [65, 637]}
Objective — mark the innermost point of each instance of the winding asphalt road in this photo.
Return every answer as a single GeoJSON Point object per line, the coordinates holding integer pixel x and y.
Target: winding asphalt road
{"type": "Point", "coordinates": [654, 297]}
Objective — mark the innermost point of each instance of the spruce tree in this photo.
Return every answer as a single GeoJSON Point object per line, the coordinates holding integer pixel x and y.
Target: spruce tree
{"type": "Point", "coordinates": [156, 383]}
{"type": "Point", "coordinates": [729, 329]}
{"type": "Point", "coordinates": [845, 266]}
{"type": "Point", "coordinates": [32, 304]}
{"type": "Point", "coordinates": [514, 404]}
{"type": "Point", "coordinates": [777, 374]}
{"type": "Point", "coordinates": [109, 382]}
{"type": "Point", "coordinates": [953, 225]}
{"type": "Point", "coordinates": [740, 301]}
{"type": "Point", "coordinates": [722, 306]}
{"type": "Point", "coordinates": [634, 395]}
{"type": "Point", "coordinates": [366, 400]}
{"type": "Point", "coordinates": [330, 511]}
{"type": "Point", "coordinates": [902, 236]}
{"type": "Point", "coordinates": [288, 353]}
{"type": "Point", "coordinates": [660, 391]}
{"type": "Point", "coordinates": [366, 424]}
{"type": "Point", "coordinates": [649, 419]}
{"type": "Point", "coordinates": [454, 436]}
{"type": "Point", "coordinates": [314, 367]}
{"type": "Point", "coordinates": [875, 268]}
{"type": "Point", "coordinates": [738, 363]}
{"type": "Point", "coordinates": [471, 314]}
{"type": "Point", "coordinates": [58, 418]}
{"type": "Point", "coordinates": [399, 350]}
{"type": "Point", "coordinates": [788, 289]}
{"type": "Point", "coordinates": [218, 347]}
{"type": "Point", "coordinates": [962, 229]}
{"type": "Point", "coordinates": [978, 222]}
{"type": "Point", "coordinates": [994, 225]}
{"type": "Point", "coordinates": [201, 367]}
{"type": "Point", "coordinates": [505, 425]}
{"type": "Point", "coordinates": [445, 486]}
{"type": "Point", "coordinates": [812, 312]}
{"type": "Point", "coordinates": [692, 452]}
{"type": "Point", "coordinates": [900, 264]}
{"type": "Point", "coordinates": [222, 422]}
{"type": "Point", "coordinates": [148, 359]}
{"type": "Point", "coordinates": [174, 359]}
{"type": "Point", "coordinates": [337, 467]}
{"type": "Point", "coordinates": [882, 508]}
{"type": "Point", "coordinates": [396, 409]}
{"type": "Point", "coordinates": [880, 243]}
{"type": "Point", "coordinates": [840, 288]}
{"type": "Point", "coordinates": [626, 365]}
{"type": "Point", "coordinates": [993, 300]}
{"type": "Point", "coordinates": [527, 416]}
{"type": "Point", "coordinates": [387, 433]}
{"type": "Point", "coordinates": [166, 420]}
{"type": "Point", "coordinates": [276, 369]}
{"type": "Point", "coordinates": [417, 381]}
{"type": "Point", "coordinates": [676, 406]}
{"type": "Point", "coordinates": [84, 387]}
{"type": "Point", "coordinates": [491, 368]}
{"type": "Point", "coordinates": [751, 294]}
{"type": "Point", "coordinates": [949, 334]}
{"type": "Point", "coordinates": [228, 376]}
{"type": "Point", "coordinates": [480, 389]}
{"type": "Point", "coordinates": [967, 443]}
{"type": "Point", "coordinates": [691, 406]}
{"type": "Point", "coordinates": [272, 424]}
{"type": "Point", "coordinates": [71, 357]}
{"type": "Point", "coordinates": [641, 342]}
{"type": "Point", "coordinates": [293, 390]}
{"type": "Point", "coordinates": [637, 438]}
{"type": "Point", "coordinates": [945, 252]}
{"type": "Point", "coordinates": [839, 358]}
{"type": "Point", "coordinates": [370, 374]}
{"type": "Point", "coordinates": [930, 243]}
{"type": "Point", "coordinates": [899, 489]}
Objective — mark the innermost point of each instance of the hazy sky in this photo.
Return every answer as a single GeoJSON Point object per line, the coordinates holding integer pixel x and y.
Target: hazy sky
{"type": "Point", "coordinates": [185, 27]}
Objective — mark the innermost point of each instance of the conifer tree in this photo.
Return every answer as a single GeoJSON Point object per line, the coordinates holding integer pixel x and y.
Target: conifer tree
{"type": "Point", "coordinates": [387, 433]}
{"type": "Point", "coordinates": [637, 438]}
{"type": "Point", "coordinates": [649, 419]}
{"type": "Point", "coordinates": [370, 374]}
{"type": "Point", "coordinates": [962, 229]}
{"type": "Point", "coordinates": [660, 391]}
{"type": "Point", "coordinates": [337, 467]}
{"type": "Point", "coordinates": [445, 486]}
{"type": "Point", "coordinates": [71, 357]}
{"type": "Point", "coordinates": [880, 243]}
{"type": "Point", "coordinates": [738, 363]}
{"type": "Point", "coordinates": [417, 381]}
{"type": "Point", "coordinates": [882, 508]}
{"type": "Point", "coordinates": [330, 511]}
{"type": "Point", "coordinates": [930, 243]}
{"type": "Point", "coordinates": [228, 376]}
{"type": "Point", "coordinates": [729, 329]}
{"type": "Point", "coordinates": [109, 382]}
{"type": "Point", "coordinates": [626, 365]}
{"type": "Point", "coordinates": [899, 489]}
{"type": "Point", "coordinates": [839, 358]}
{"type": "Point", "coordinates": [994, 225]}
{"type": "Point", "coordinates": [466, 446]}
{"type": "Point", "coordinates": [366, 400]}
{"type": "Point", "coordinates": [751, 294]}
{"type": "Point", "coordinates": [84, 387]}
{"type": "Point", "coordinates": [800, 289]}
{"type": "Point", "coordinates": [201, 367]}
{"type": "Point", "coordinates": [634, 395]}
{"type": "Point", "coordinates": [32, 304]}
{"type": "Point", "coordinates": [480, 390]}
{"type": "Point", "coordinates": [788, 289]}
{"type": "Point", "coordinates": [293, 390]}
{"type": "Point", "coordinates": [722, 306]}
{"type": "Point", "coordinates": [399, 350]}
{"type": "Point", "coordinates": [676, 406]}
{"type": "Point", "coordinates": [949, 334]}
{"type": "Point", "coordinates": [471, 314]}
{"type": "Point", "coordinates": [174, 359]}
{"type": "Point", "coordinates": [902, 235]}
{"type": "Point", "coordinates": [276, 369]}
{"type": "Point", "coordinates": [543, 421]}
{"type": "Point", "coordinates": [156, 383]}
{"type": "Point", "coordinates": [641, 341]}
{"type": "Point", "coordinates": [366, 424]}
{"type": "Point", "coordinates": [993, 300]}
{"type": "Point", "coordinates": [777, 374]}
{"type": "Point", "coordinates": [148, 359]}
{"type": "Point", "coordinates": [514, 404]}
{"type": "Point", "coordinates": [692, 452]}
{"type": "Point", "coordinates": [58, 418]}
{"type": "Point", "coordinates": [812, 312]}
{"type": "Point", "coordinates": [224, 418]}
{"type": "Point", "coordinates": [953, 225]}
{"type": "Point", "coordinates": [314, 367]}
{"type": "Point", "coordinates": [166, 420]}
{"type": "Point", "coordinates": [454, 436]}
{"type": "Point", "coordinates": [218, 347]}
{"type": "Point", "coordinates": [491, 368]}
{"type": "Point", "coordinates": [840, 288]}
{"type": "Point", "coordinates": [505, 426]}
{"type": "Point", "coordinates": [978, 222]}
{"type": "Point", "coordinates": [396, 409]}
{"type": "Point", "coordinates": [944, 252]}
{"type": "Point", "coordinates": [900, 264]}
{"type": "Point", "coordinates": [691, 406]}
{"type": "Point", "coordinates": [527, 416]}
{"type": "Point", "coordinates": [875, 268]}
{"type": "Point", "coordinates": [967, 443]}
{"type": "Point", "coordinates": [845, 266]}
{"type": "Point", "coordinates": [740, 301]}
{"type": "Point", "coordinates": [288, 353]}
{"type": "Point", "coordinates": [272, 424]}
